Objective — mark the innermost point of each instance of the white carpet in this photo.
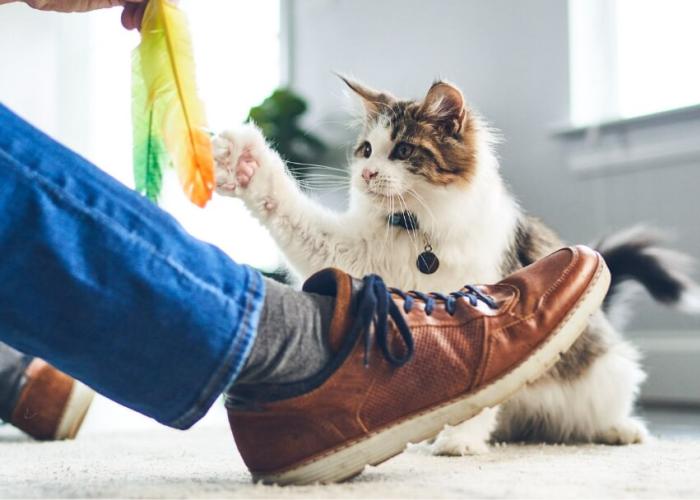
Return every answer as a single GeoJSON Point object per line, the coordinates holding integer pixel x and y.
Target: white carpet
{"type": "Point", "coordinates": [123, 455]}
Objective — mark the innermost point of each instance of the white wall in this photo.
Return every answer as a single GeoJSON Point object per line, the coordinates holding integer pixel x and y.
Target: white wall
{"type": "Point", "coordinates": [35, 68]}
{"type": "Point", "coordinates": [510, 57]}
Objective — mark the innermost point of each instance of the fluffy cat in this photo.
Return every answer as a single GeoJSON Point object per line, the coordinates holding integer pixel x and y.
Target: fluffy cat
{"type": "Point", "coordinates": [434, 159]}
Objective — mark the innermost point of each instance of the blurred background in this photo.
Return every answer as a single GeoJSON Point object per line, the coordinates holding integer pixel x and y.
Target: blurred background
{"type": "Point", "coordinates": [598, 102]}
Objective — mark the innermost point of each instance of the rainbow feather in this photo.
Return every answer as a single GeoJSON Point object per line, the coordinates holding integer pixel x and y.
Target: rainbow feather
{"type": "Point", "coordinates": [169, 120]}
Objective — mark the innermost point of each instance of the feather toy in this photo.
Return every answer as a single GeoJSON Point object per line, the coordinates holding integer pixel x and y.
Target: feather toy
{"type": "Point", "coordinates": [168, 117]}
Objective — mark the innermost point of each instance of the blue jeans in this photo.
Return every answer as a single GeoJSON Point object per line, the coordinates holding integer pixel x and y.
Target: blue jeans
{"type": "Point", "coordinates": [107, 287]}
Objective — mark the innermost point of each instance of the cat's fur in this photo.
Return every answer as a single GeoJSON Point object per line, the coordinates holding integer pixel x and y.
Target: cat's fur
{"type": "Point", "coordinates": [448, 176]}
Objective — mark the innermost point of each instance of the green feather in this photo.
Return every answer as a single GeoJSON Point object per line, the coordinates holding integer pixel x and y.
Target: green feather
{"type": "Point", "coordinates": [150, 155]}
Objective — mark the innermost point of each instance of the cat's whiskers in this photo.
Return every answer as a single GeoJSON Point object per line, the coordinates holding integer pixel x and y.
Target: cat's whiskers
{"type": "Point", "coordinates": [317, 165]}
{"type": "Point", "coordinates": [412, 232]}
{"type": "Point", "coordinates": [318, 175]}
{"type": "Point", "coordinates": [394, 202]}
{"type": "Point", "coordinates": [324, 180]}
{"type": "Point", "coordinates": [312, 175]}
{"type": "Point", "coordinates": [318, 181]}
{"type": "Point", "coordinates": [324, 189]}
{"type": "Point", "coordinates": [424, 204]}
{"type": "Point", "coordinates": [325, 177]}
{"type": "Point", "coordinates": [391, 211]}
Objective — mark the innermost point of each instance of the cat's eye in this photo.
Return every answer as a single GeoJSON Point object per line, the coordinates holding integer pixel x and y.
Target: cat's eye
{"type": "Point", "coordinates": [402, 151]}
{"type": "Point", "coordinates": [366, 149]}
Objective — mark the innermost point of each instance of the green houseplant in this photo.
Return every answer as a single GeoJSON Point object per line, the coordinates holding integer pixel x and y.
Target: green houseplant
{"type": "Point", "coordinates": [278, 117]}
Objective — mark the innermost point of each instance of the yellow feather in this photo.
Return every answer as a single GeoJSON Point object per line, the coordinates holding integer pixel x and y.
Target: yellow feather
{"type": "Point", "coordinates": [167, 64]}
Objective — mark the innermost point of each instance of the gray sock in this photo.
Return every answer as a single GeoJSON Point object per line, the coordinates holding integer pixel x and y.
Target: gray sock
{"type": "Point", "coordinates": [12, 378]}
{"type": "Point", "coordinates": [291, 343]}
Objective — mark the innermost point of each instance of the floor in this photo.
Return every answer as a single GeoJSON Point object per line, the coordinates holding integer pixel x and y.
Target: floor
{"type": "Point", "coordinates": [121, 454]}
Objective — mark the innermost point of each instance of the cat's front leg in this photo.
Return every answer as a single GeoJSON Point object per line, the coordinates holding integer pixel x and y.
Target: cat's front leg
{"type": "Point", "coordinates": [246, 167]}
{"type": "Point", "coordinates": [468, 438]}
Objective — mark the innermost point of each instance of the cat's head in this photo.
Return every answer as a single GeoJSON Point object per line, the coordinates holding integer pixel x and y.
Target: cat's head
{"type": "Point", "coordinates": [407, 148]}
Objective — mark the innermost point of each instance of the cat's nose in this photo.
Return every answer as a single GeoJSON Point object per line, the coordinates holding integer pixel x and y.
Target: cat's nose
{"type": "Point", "coordinates": [368, 174]}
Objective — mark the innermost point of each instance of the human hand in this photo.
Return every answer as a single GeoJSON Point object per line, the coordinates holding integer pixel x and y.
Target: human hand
{"type": "Point", "coordinates": [76, 5]}
{"type": "Point", "coordinates": [131, 15]}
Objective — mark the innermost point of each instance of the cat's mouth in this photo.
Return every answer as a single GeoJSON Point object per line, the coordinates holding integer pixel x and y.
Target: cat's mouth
{"type": "Point", "coordinates": [382, 193]}
{"type": "Point", "coordinates": [385, 199]}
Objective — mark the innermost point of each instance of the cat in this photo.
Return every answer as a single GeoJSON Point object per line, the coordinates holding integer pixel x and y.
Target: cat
{"type": "Point", "coordinates": [425, 178]}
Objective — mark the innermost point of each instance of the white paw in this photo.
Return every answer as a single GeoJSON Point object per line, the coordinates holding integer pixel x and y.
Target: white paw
{"type": "Point", "coordinates": [457, 446]}
{"type": "Point", "coordinates": [237, 156]}
{"type": "Point", "coordinates": [471, 437]}
{"type": "Point", "coordinates": [629, 431]}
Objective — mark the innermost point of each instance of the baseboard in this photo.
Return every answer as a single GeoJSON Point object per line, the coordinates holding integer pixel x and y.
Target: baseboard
{"type": "Point", "coordinates": [672, 360]}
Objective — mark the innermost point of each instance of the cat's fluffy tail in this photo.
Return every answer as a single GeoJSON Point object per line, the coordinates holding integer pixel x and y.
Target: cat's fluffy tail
{"type": "Point", "coordinates": [637, 256]}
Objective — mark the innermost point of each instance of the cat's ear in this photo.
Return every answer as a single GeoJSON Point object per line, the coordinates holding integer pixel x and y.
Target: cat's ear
{"type": "Point", "coordinates": [373, 101]}
{"type": "Point", "coordinates": [444, 105]}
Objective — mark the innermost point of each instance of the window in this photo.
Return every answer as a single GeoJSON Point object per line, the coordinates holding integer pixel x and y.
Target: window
{"type": "Point", "coordinates": [632, 57]}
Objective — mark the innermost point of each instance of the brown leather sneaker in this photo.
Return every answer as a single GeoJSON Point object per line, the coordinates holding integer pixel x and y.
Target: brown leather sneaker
{"type": "Point", "coordinates": [406, 364]}
{"type": "Point", "coordinates": [51, 405]}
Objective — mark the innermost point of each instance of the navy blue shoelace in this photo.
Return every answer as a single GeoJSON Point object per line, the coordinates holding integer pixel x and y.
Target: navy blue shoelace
{"type": "Point", "coordinates": [376, 306]}
{"type": "Point", "coordinates": [472, 294]}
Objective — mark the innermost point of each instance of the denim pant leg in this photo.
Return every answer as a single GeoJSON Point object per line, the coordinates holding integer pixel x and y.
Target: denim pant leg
{"type": "Point", "coordinates": [110, 289]}
{"type": "Point", "coordinates": [12, 366]}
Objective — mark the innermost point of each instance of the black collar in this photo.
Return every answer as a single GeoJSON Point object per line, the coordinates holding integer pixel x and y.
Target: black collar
{"type": "Point", "coordinates": [405, 219]}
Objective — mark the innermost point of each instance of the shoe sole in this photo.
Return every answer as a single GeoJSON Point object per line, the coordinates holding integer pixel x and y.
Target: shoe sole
{"type": "Point", "coordinates": [376, 448]}
{"type": "Point", "coordinates": [77, 407]}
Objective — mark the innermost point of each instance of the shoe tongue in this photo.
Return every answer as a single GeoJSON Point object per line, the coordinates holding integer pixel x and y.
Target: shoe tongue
{"type": "Point", "coordinates": [335, 283]}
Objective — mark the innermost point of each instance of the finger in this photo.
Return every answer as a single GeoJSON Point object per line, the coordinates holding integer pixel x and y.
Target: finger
{"type": "Point", "coordinates": [128, 16]}
{"type": "Point", "coordinates": [132, 15]}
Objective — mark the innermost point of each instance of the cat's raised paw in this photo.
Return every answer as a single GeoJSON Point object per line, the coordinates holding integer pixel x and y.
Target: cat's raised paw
{"type": "Point", "coordinates": [235, 157]}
